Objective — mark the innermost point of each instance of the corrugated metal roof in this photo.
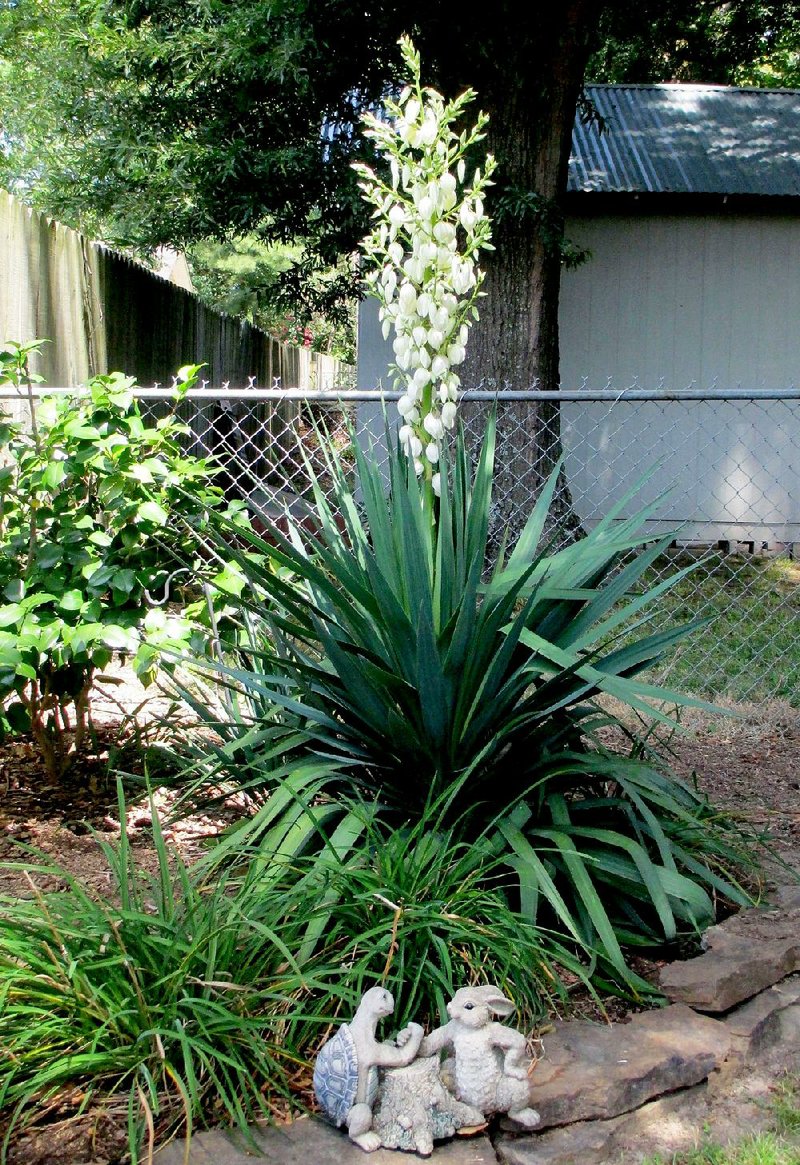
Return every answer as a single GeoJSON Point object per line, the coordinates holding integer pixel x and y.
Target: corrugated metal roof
{"type": "Point", "coordinates": [689, 139]}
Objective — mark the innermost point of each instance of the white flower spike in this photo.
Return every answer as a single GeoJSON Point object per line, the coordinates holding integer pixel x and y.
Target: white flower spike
{"type": "Point", "coordinates": [430, 228]}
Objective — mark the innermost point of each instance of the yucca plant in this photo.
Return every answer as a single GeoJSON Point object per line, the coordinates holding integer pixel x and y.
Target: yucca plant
{"type": "Point", "coordinates": [409, 667]}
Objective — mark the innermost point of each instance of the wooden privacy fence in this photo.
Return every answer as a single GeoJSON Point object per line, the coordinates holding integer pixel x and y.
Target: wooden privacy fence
{"type": "Point", "coordinates": [103, 312]}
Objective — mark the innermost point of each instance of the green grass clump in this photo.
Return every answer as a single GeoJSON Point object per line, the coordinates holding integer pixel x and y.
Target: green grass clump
{"type": "Point", "coordinates": [198, 996]}
{"type": "Point", "coordinates": [423, 913]}
{"type": "Point", "coordinates": [763, 1149]}
{"type": "Point", "coordinates": [169, 1000]}
{"type": "Point", "coordinates": [785, 1105]}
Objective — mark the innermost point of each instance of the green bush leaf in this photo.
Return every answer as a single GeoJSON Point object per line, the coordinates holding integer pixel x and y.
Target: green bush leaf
{"type": "Point", "coordinates": [72, 600]}
{"type": "Point", "coordinates": [54, 474]}
{"type": "Point", "coordinates": [152, 512]}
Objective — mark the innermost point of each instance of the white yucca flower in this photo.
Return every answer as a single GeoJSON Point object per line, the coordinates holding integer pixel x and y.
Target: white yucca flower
{"type": "Point", "coordinates": [430, 228]}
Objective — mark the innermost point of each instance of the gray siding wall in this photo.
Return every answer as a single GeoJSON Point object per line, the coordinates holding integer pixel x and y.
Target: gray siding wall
{"type": "Point", "coordinates": [709, 301]}
{"type": "Point", "coordinates": [687, 301]}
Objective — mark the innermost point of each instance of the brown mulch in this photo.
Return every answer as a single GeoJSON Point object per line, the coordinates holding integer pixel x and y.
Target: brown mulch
{"type": "Point", "coordinates": [747, 765]}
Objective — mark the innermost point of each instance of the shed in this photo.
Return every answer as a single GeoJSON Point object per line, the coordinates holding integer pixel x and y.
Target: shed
{"type": "Point", "coordinates": [688, 199]}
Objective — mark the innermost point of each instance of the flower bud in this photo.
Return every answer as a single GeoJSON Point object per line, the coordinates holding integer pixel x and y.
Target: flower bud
{"type": "Point", "coordinates": [419, 335]}
{"type": "Point", "coordinates": [428, 130]}
{"type": "Point", "coordinates": [432, 424]}
{"type": "Point", "coordinates": [411, 110]}
{"type": "Point", "coordinates": [435, 338]}
{"type": "Point", "coordinates": [444, 233]}
{"type": "Point", "coordinates": [405, 405]}
{"type": "Point", "coordinates": [424, 304]}
{"type": "Point", "coordinates": [432, 452]}
{"type": "Point", "coordinates": [447, 188]}
{"type": "Point", "coordinates": [397, 216]}
{"type": "Point", "coordinates": [467, 217]}
{"type": "Point", "coordinates": [449, 414]}
{"type": "Point", "coordinates": [422, 377]}
{"type": "Point", "coordinates": [415, 446]}
{"type": "Point", "coordinates": [426, 208]}
{"type": "Point", "coordinates": [407, 299]}
{"type": "Point", "coordinates": [419, 468]}
{"type": "Point", "coordinates": [405, 433]}
{"type": "Point", "coordinates": [436, 484]}
{"type": "Point", "coordinates": [456, 354]}
{"type": "Point", "coordinates": [441, 320]}
{"type": "Point", "coordinates": [440, 366]}
{"type": "Point", "coordinates": [395, 253]}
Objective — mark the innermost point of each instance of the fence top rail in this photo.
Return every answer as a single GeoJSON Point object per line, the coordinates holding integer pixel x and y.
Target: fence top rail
{"type": "Point", "coordinates": [333, 395]}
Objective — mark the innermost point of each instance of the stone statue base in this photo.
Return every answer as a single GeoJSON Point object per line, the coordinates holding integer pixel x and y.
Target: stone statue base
{"type": "Point", "coordinates": [415, 1109]}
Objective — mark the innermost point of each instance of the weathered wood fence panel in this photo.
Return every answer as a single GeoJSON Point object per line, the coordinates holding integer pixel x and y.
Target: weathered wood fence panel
{"type": "Point", "coordinates": [103, 312]}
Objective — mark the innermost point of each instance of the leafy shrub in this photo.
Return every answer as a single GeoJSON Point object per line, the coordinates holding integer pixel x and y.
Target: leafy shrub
{"type": "Point", "coordinates": [97, 512]}
{"type": "Point", "coordinates": [411, 670]}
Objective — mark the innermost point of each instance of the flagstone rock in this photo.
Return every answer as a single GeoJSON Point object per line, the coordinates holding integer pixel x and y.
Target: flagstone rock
{"type": "Point", "coordinates": [787, 897]}
{"type": "Point", "coordinates": [745, 954]}
{"type": "Point", "coordinates": [309, 1141]}
{"type": "Point", "coordinates": [769, 1020]}
{"type": "Point", "coordinates": [667, 1125]}
{"type": "Point", "coordinates": [593, 1071]}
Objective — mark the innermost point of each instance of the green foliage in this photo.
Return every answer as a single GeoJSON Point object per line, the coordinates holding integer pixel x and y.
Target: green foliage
{"type": "Point", "coordinates": [411, 670]}
{"type": "Point", "coordinates": [785, 1105]}
{"type": "Point", "coordinates": [423, 912]}
{"type": "Point", "coordinates": [191, 996]}
{"type": "Point", "coordinates": [99, 518]}
{"type": "Point", "coordinates": [743, 43]}
{"type": "Point", "coordinates": [248, 278]}
{"type": "Point", "coordinates": [761, 1149]}
{"type": "Point", "coordinates": [169, 1001]}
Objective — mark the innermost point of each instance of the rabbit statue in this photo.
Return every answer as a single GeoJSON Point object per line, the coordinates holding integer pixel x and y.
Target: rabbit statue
{"type": "Point", "coordinates": [489, 1064]}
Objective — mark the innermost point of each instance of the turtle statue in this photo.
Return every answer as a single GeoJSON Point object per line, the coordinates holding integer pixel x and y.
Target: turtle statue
{"type": "Point", "coordinates": [346, 1068]}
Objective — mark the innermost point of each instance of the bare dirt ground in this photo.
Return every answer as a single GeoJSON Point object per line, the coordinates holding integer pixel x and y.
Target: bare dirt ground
{"type": "Point", "coordinates": [63, 821]}
{"type": "Point", "coordinates": [748, 764]}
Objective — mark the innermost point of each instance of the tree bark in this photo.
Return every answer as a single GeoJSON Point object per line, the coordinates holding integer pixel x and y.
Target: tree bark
{"type": "Point", "coordinates": [530, 94]}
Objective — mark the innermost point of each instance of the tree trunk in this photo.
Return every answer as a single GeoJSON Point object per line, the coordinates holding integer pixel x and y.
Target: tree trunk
{"type": "Point", "coordinates": [515, 343]}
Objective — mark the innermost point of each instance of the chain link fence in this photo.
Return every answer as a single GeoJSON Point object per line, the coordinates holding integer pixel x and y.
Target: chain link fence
{"type": "Point", "coordinates": [724, 464]}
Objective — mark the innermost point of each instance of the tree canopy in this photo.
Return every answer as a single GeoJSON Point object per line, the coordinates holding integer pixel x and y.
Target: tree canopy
{"type": "Point", "coordinates": [148, 122]}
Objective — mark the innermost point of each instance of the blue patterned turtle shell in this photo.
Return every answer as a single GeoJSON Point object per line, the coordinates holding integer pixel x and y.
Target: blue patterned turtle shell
{"type": "Point", "coordinates": [336, 1077]}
